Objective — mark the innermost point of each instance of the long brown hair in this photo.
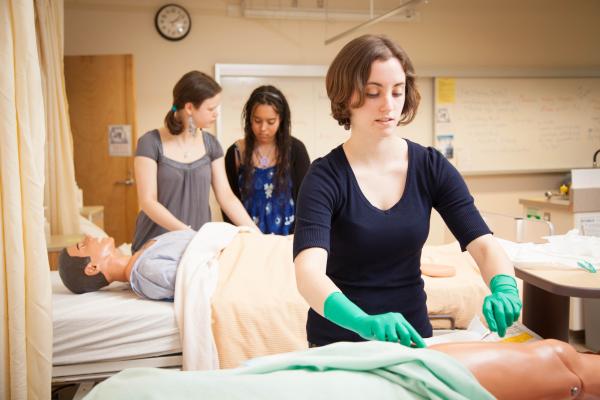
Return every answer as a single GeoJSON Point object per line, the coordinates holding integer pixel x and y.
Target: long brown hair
{"type": "Point", "coordinates": [193, 87]}
{"type": "Point", "coordinates": [349, 72]}
{"type": "Point", "coordinates": [267, 95]}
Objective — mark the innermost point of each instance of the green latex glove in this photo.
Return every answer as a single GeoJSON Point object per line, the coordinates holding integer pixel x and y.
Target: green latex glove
{"type": "Point", "coordinates": [503, 306]}
{"type": "Point", "coordinates": [388, 327]}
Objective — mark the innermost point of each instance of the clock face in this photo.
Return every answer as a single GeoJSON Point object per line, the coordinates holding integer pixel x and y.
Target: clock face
{"type": "Point", "coordinates": [173, 22]}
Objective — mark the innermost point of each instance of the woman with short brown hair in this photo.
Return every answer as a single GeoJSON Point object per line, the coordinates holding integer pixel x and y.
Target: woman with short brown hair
{"type": "Point", "coordinates": [364, 210]}
{"type": "Point", "coordinates": [348, 74]}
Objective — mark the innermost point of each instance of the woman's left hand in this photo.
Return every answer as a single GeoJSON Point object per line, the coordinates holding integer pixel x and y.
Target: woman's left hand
{"type": "Point", "coordinates": [503, 307]}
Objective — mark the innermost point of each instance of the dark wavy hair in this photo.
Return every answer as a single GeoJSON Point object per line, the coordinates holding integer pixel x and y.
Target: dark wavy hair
{"type": "Point", "coordinates": [267, 95]}
{"type": "Point", "coordinates": [71, 270]}
{"type": "Point", "coordinates": [193, 87]}
{"type": "Point", "coordinates": [350, 70]}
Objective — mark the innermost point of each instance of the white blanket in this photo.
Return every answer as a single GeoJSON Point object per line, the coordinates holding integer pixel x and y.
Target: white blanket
{"type": "Point", "coordinates": [197, 276]}
{"type": "Point", "coordinates": [569, 252]}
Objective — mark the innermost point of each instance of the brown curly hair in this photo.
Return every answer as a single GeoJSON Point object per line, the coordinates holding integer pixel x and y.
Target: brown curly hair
{"type": "Point", "coordinates": [350, 70]}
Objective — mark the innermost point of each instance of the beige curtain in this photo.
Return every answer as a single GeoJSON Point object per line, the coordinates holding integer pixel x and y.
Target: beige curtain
{"type": "Point", "coordinates": [25, 292]}
{"type": "Point", "coordinates": [61, 189]}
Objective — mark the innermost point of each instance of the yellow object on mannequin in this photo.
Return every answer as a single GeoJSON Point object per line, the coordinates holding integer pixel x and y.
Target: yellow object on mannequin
{"type": "Point", "coordinates": [25, 292]}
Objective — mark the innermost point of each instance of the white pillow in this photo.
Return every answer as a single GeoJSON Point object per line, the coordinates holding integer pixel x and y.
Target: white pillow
{"type": "Point", "coordinates": [87, 227]}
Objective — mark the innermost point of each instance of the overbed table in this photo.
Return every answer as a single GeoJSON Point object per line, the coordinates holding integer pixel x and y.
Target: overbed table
{"type": "Point", "coordinates": [546, 296]}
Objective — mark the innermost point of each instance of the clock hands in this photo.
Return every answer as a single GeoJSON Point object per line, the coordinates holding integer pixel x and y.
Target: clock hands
{"type": "Point", "coordinates": [173, 22]}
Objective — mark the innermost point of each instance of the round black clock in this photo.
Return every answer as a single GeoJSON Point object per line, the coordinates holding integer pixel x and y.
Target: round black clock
{"type": "Point", "coordinates": [173, 22]}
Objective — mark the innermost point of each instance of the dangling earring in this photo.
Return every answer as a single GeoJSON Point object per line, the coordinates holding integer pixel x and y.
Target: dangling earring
{"type": "Point", "coordinates": [191, 126]}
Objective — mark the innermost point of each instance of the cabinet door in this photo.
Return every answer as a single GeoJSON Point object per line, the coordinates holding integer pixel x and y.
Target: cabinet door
{"type": "Point", "coordinates": [101, 92]}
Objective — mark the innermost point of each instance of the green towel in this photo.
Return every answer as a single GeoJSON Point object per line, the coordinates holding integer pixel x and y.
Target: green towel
{"type": "Point", "coordinates": [362, 371]}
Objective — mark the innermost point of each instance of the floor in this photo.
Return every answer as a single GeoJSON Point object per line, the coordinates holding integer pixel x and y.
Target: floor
{"type": "Point", "coordinates": [63, 392]}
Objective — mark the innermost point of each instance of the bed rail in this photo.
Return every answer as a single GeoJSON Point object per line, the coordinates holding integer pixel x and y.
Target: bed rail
{"type": "Point", "coordinates": [448, 317]}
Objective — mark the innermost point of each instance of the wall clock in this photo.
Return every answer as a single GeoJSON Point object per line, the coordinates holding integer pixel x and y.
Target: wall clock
{"type": "Point", "coordinates": [173, 22]}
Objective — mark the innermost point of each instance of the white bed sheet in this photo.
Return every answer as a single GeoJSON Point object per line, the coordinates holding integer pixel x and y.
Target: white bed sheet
{"type": "Point", "coordinates": [111, 324]}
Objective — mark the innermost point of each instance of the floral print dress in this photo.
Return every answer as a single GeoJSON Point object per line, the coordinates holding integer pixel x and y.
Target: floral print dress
{"type": "Point", "coordinates": [272, 212]}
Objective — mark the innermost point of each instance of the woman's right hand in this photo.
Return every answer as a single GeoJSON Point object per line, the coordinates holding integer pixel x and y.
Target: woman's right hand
{"type": "Point", "coordinates": [388, 327]}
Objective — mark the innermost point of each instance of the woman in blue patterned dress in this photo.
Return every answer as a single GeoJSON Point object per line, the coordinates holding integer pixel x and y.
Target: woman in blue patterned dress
{"type": "Point", "coordinates": [266, 167]}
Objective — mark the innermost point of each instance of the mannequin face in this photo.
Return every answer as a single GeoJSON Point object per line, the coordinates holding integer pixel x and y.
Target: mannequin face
{"type": "Point", "coordinates": [97, 249]}
{"type": "Point", "coordinates": [384, 99]}
{"type": "Point", "coordinates": [265, 123]}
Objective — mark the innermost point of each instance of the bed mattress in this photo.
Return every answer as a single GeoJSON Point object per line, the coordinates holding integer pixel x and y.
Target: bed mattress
{"type": "Point", "coordinates": [460, 296]}
{"type": "Point", "coordinates": [111, 324]}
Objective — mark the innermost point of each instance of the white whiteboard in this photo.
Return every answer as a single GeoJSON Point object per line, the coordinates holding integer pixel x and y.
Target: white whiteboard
{"type": "Point", "coordinates": [304, 88]}
{"type": "Point", "coordinates": [506, 125]}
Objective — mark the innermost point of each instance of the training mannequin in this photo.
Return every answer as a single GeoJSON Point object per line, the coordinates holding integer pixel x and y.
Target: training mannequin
{"type": "Point", "coordinates": [547, 369]}
{"type": "Point", "coordinates": [95, 262]}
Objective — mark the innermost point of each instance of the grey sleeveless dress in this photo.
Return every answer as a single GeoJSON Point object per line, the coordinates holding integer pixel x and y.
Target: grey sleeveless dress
{"type": "Point", "coordinates": [183, 188]}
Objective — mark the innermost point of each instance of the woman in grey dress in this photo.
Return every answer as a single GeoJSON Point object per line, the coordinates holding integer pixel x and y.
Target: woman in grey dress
{"type": "Point", "coordinates": [176, 165]}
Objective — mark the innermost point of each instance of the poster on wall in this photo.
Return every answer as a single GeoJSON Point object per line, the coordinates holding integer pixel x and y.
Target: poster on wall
{"type": "Point", "coordinates": [119, 140]}
{"type": "Point", "coordinates": [445, 96]}
{"type": "Point", "coordinates": [444, 143]}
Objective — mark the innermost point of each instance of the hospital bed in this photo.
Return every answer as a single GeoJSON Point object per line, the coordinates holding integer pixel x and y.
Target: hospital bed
{"type": "Point", "coordinates": [255, 312]}
{"type": "Point", "coordinates": [97, 334]}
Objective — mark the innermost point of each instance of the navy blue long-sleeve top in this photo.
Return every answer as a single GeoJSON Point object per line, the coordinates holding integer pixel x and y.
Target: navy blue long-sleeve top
{"type": "Point", "coordinates": [374, 255]}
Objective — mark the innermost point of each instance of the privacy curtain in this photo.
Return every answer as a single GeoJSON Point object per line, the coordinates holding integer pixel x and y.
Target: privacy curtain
{"type": "Point", "coordinates": [61, 190]}
{"type": "Point", "coordinates": [25, 292]}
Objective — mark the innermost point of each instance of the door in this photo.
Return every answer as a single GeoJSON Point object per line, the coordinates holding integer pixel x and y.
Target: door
{"type": "Point", "coordinates": [100, 91]}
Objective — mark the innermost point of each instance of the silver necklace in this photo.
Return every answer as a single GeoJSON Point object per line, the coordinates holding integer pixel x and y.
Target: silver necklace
{"type": "Point", "coordinates": [184, 148]}
{"type": "Point", "coordinates": [263, 160]}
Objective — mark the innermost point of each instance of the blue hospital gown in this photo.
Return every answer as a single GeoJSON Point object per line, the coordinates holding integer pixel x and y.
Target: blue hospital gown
{"type": "Point", "coordinates": [154, 272]}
